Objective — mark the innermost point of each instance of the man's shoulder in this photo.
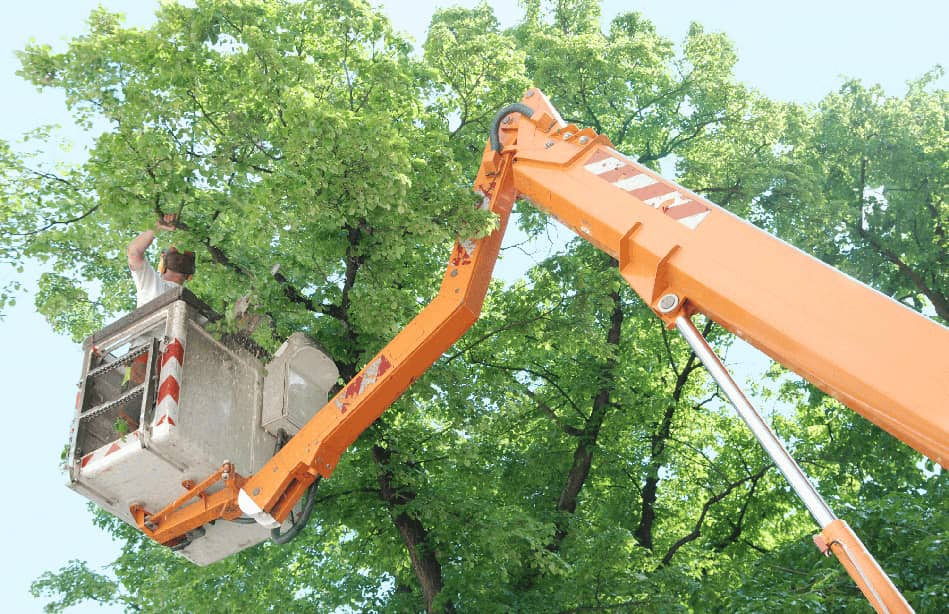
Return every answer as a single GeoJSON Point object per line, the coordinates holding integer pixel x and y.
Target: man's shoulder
{"type": "Point", "coordinates": [143, 275]}
{"type": "Point", "coordinates": [148, 284]}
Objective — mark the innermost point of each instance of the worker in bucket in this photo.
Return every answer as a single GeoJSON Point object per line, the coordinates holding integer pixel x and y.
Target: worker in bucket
{"type": "Point", "coordinates": [174, 269]}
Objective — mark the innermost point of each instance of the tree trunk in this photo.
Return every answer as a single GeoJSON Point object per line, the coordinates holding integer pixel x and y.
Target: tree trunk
{"type": "Point", "coordinates": [427, 569]}
{"type": "Point", "coordinates": [650, 492]}
{"type": "Point", "coordinates": [583, 455]}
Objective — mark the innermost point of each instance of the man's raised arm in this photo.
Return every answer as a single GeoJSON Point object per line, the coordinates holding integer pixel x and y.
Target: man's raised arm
{"type": "Point", "coordinates": [136, 249]}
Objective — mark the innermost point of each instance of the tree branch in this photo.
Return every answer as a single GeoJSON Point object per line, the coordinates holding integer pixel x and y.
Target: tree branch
{"type": "Point", "coordinates": [650, 490]}
{"type": "Point", "coordinates": [939, 301]}
{"type": "Point", "coordinates": [55, 223]}
{"type": "Point", "coordinates": [696, 531]}
{"type": "Point", "coordinates": [547, 378]}
{"type": "Point", "coordinates": [583, 456]}
{"type": "Point", "coordinates": [507, 326]}
{"type": "Point", "coordinates": [427, 569]}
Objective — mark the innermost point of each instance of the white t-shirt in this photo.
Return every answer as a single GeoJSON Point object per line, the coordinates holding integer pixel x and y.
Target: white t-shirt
{"type": "Point", "coordinates": [149, 284]}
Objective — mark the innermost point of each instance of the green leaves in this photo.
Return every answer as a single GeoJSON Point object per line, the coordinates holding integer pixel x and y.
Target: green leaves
{"type": "Point", "coordinates": [475, 70]}
{"type": "Point", "coordinates": [74, 584]}
{"type": "Point", "coordinates": [569, 453]}
{"type": "Point", "coordinates": [870, 170]}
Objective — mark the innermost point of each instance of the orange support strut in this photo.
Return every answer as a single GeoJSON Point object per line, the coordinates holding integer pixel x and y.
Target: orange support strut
{"type": "Point", "coordinates": [839, 538]}
{"type": "Point", "coordinates": [316, 449]}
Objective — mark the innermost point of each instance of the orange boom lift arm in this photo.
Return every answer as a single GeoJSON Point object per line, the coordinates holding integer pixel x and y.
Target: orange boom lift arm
{"type": "Point", "coordinates": [683, 255]}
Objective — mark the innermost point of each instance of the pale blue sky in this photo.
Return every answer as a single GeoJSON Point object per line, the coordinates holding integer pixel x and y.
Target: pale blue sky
{"type": "Point", "coordinates": [793, 51]}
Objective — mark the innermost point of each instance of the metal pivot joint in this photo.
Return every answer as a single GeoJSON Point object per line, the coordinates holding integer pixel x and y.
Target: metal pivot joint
{"type": "Point", "coordinates": [668, 303]}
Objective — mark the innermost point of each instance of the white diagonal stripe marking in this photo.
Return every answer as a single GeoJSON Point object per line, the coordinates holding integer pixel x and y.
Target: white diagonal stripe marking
{"type": "Point", "coordinates": [605, 165]}
{"type": "Point", "coordinates": [635, 182]}
{"type": "Point", "coordinates": [694, 220]}
{"type": "Point", "coordinates": [677, 199]}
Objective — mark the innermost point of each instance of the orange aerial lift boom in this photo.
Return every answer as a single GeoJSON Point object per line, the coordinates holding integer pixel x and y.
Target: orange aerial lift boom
{"type": "Point", "coordinates": [683, 255]}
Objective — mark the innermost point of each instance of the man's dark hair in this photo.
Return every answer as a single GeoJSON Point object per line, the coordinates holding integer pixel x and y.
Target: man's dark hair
{"type": "Point", "coordinates": [179, 262]}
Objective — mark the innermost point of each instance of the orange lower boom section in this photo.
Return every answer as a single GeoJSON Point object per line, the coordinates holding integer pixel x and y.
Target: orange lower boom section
{"type": "Point", "coordinates": [682, 255]}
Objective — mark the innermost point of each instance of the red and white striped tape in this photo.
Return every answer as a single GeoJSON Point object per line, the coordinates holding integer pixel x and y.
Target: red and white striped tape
{"type": "Point", "coordinates": [110, 448]}
{"type": "Point", "coordinates": [615, 168]}
{"type": "Point", "coordinates": [169, 384]}
{"type": "Point", "coordinates": [376, 369]}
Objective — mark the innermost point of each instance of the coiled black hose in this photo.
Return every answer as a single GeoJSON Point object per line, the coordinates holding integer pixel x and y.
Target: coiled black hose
{"type": "Point", "coordinates": [282, 538]}
{"type": "Point", "coordinates": [517, 107]}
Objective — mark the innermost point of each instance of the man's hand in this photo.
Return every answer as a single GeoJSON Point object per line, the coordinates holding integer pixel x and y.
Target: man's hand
{"type": "Point", "coordinates": [167, 221]}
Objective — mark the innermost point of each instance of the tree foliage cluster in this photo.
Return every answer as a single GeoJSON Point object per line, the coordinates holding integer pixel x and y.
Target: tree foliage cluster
{"type": "Point", "coordinates": [569, 453]}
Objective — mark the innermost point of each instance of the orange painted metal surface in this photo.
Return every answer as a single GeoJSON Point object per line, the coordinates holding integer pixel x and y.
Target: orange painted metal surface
{"type": "Point", "coordinates": [839, 538]}
{"type": "Point", "coordinates": [880, 358]}
{"type": "Point", "coordinates": [316, 449]}
{"type": "Point", "coordinates": [195, 508]}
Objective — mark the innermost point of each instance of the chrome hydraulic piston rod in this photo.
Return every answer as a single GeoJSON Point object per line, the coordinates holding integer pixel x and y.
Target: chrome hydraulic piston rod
{"type": "Point", "coordinates": [836, 536]}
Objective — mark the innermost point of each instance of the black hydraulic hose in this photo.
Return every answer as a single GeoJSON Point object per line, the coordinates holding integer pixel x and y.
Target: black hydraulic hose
{"type": "Point", "coordinates": [243, 520]}
{"type": "Point", "coordinates": [517, 107]}
{"type": "Point", "coordinates": [282, 538]}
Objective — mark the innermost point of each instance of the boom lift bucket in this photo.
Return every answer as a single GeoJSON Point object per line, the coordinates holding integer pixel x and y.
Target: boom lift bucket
{"type": "Point", "coordinates": [162, 404]}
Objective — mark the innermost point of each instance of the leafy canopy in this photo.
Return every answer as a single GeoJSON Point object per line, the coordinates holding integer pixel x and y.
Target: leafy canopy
{"type": "Point", "coordinates": [569, 453]}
